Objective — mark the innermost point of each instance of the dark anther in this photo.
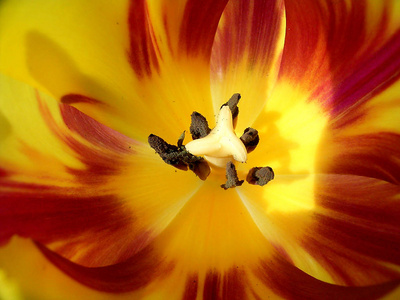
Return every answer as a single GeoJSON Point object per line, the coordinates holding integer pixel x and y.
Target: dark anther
{"type": "Point", "coordinates": [180, 140]}
{"type": "Point", "coordinates": [260, 176]}
{"type": "Point", "coordinates": [232, 103]}
{"type": "Point", "coordinates": [200, 168]}
{"type": "Point", "coordinates": [179, 157]}
{"type": "Point", "coordinates": [232, 179]}
{"type": "Point", "coordinates": [199, 126]}
{"type": "Point", "coordinates": [250, 139]}
{"type": "Point", "coordinates": [169, 153]}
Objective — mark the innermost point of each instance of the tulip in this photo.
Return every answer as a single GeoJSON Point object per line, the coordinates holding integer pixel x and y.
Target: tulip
{"type": "Point", "coordinates": [97, 195]}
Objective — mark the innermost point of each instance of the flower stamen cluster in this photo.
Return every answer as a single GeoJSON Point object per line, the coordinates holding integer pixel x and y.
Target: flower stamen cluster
{"type": "Point", "coordinates": [218, 147]}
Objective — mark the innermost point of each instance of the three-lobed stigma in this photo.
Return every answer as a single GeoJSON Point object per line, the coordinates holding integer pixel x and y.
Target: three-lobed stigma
{"type": "Point", "coordinates": [221, 143]}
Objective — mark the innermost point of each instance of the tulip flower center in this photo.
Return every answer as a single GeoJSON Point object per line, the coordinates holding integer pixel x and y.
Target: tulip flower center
{"type": "Point", "coordinates": [219, 147]}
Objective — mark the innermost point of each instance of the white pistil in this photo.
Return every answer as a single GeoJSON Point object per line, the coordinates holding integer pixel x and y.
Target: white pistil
{"type": "Point", "coordinates": [221, 144]}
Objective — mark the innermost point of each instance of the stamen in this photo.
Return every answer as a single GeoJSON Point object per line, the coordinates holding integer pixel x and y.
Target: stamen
{"type": "Point", "coordinates": [199, 126]}
{"type": "Point", "coordinates": [260, 176]}
{"type": "Point", "coordinates": [181, 139]}
{"type": "Point", "coordinates": [232, 103]}
{"type": "Point", "coordinates": [222, 141]}
{"type": "Point", "coordinates": [250, 139]}
{"type": "Point", "coordinates": [232, 179]}
{"type": "Point", "coordinates": [218, 146]}
{"type": "Point", "coordinates": [179, 157]}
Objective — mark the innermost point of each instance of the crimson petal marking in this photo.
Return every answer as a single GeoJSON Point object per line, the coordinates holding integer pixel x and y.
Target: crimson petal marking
{"type": "Point", "coordinates": [196, 33]}
{"type": "Point", "coordinates": [291, 283]}
{"type": "Point", "coordinates": [356, 235]}
{"type": "Point", "coordinates": [374, 155]}
{"type": "Point", "coordinates": [76, 98]}
{"type": "Point", "coordinates": [328, 44]}
{"type": "Point", "coordinates": [235, 39]}
{"type": "Point", "coordinates": [304, 30]}
{"type": "Point", "coordinates": [191, 287]}
{"type": "Point", "coordinates": [147, 266]}
{"type": "Point", "coordinates": [199, 25]}
{"type": "Point", "coordinates": [94, 132]}
{"type": "Point", "coordinates": [103, 160]}
{"type": "Point", "coordinates": [83, 225]}
{"type": "Point", "coordinates": [371, 77]}
{"type": "Point", "coordinates": [142, 53]}
{"type": "Point", "coordinates": [83, 219]}
{"type": "Point", "coordinates": [230, 285]}
{"type": "Point", "coordinates": [246, 55]}
{"type": "Point", "coordinates": [130, 275]}
{"type": "Point", "coordinates": [48, 213]}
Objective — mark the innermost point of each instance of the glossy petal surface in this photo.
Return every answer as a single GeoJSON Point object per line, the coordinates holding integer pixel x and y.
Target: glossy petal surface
{"type": "Point", "coordinates": [95, 207]}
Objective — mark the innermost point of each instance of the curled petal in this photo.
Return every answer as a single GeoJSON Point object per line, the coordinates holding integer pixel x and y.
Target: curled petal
{"type": "Point", "coordinates": [343, 52]}
{"type": "Point", "coordinates": [132, 274]}
{"type": "Point", "coordinates": [291, 283]}
{"type": "Point", "coordinates": [246, 55]}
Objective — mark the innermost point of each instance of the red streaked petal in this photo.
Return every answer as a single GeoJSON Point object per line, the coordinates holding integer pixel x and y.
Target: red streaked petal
{"type": "Point", "coordinates": [36, 277]}
{"type": "Point", "coordinates": [344, 52]}
{"type": "Point", "coordinates": [249, 31]}
{"type": "Point", "coordinates": [142, 52]}
{"type": "Point", "coordinates": [341, 229]}
{"type": "Point", "coordinates": [132, 274]}
{"type": "Point", "coordinates": [94, 132]}
{"type": "Point", "coordinates": [197, 31]}
{"type": "Point", "coordinates": [182, 263]}
{"type": "Point", "coordinates": [246, 55]}
{"type": "Point", "coordinates": [188, 27]}
{"type": "Point", "coordinates": [356, 232]}
{"type": "Point", "coordinates": [289, 282]}
{"type": "Point", "coordinates": [373, 155]}
{"type": "Point", "coordinates": [170, 48]}
{"type": "Point", "coordinates": [270, 277]}
{"type": "Point", "coordinates": [76, 206]}
{"type": "Point", "coordinates": [51, 214]}
{"type": "Point", "coordinates": [198, 254]}
{"type": "Point", "coordinates": [81, 188]}
{"type": "Point", "coordinates": [143, 268]}
{"type": "Point", "coordinates": [169, 52]}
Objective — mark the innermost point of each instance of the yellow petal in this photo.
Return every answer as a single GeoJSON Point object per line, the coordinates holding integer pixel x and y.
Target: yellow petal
{"type": "Point", "coordinates": [8, 288]}
{"type": "Point", "coordinates": [212, 245]}
{"type": "Point", "coordinates": [79, 51]}
{"type": "Point", "coordinates": [331, 226]}
{"type": "Point", "coordinates": [77, 186]}
{"type": "Point", "coordinates": [283, 211]}
{"type": "Point", "coordinates": [96, 57]}
{"type": "Point", "coordinates": [290, 128]}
